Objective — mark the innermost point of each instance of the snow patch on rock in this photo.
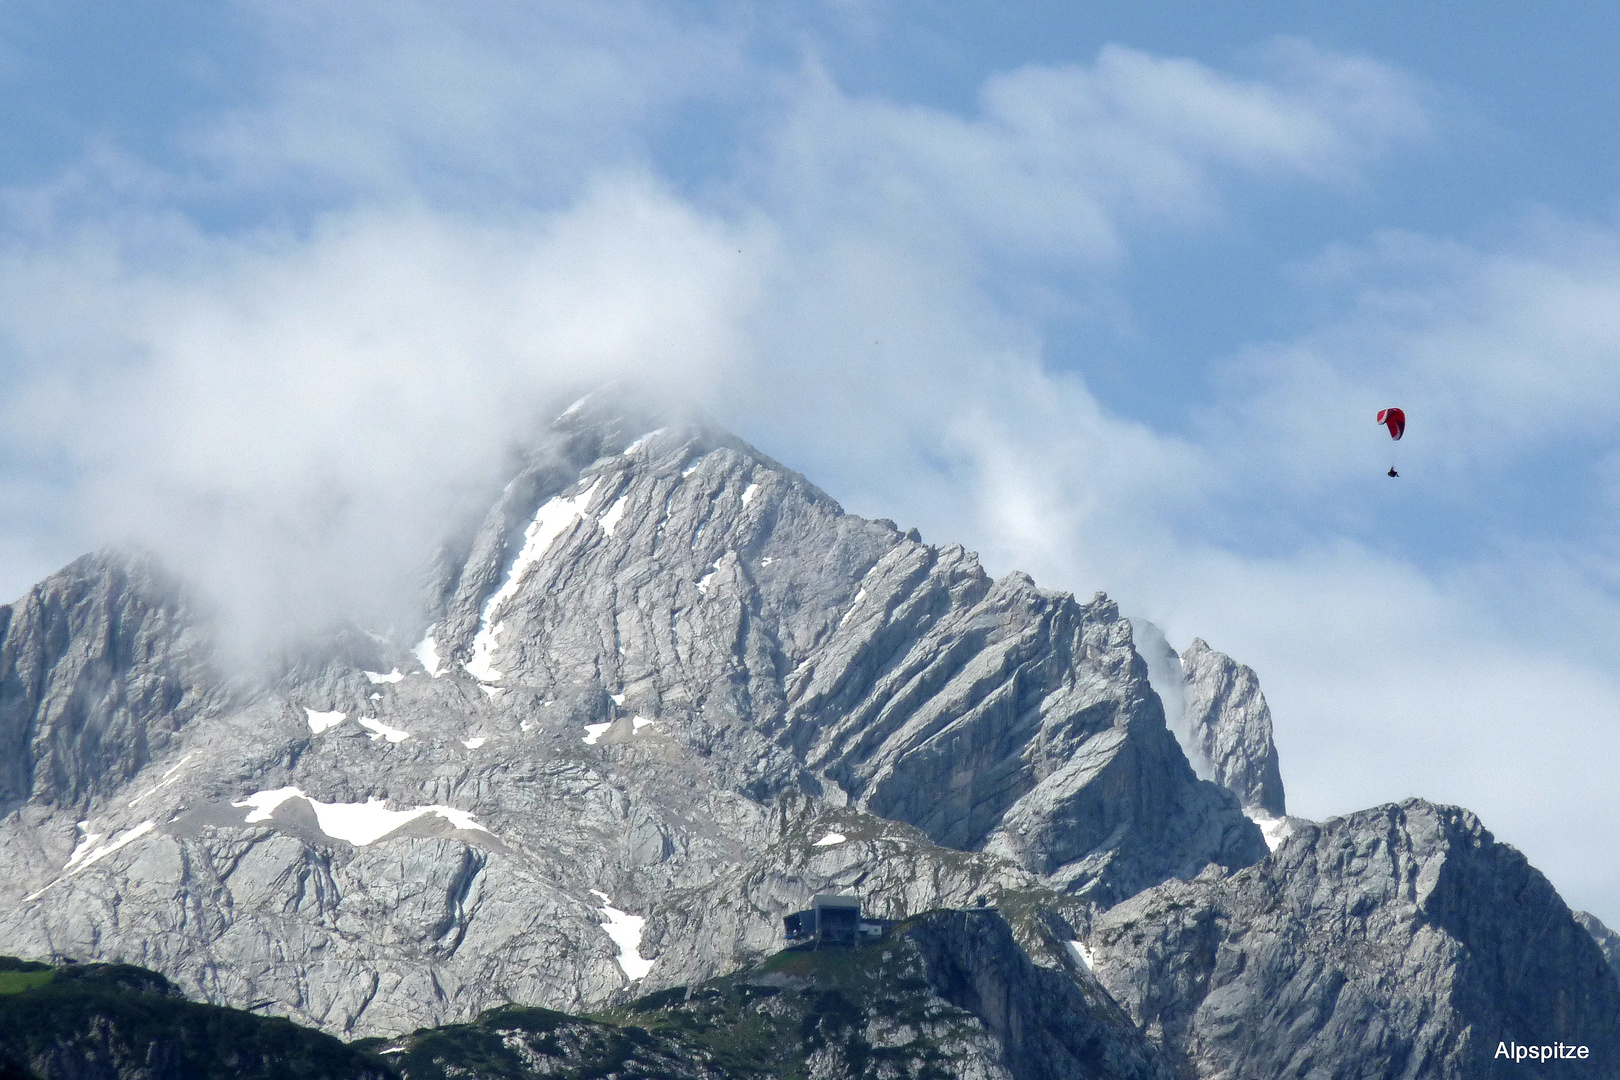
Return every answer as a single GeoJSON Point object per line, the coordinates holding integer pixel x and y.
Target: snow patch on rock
{"type": "Point", "coordinates": [117, 842]}
{"type": "Point", "coordinates": [859, 596]}
{"type": "Point", "coordinates": [1274, 829]}
{"type": "Point", "coordinates": [610, 520]}
{"type": "Point", "coordinates": [164, 781]}
{"type": "Point", "coordinates": [324, 721]}
{"type": "Point", "coordinates": [84, 846]}
{"type": "Point", "coordinates": [82, 858]}
{"type": "Point", "coordinates": [380, 730]}
{"type": "Point", "coordinates": [553, 517]}
{"type": "Point", "coordinates": [830, 839]}
{"type": "Point", "coordinates": [643, 441]}
{"type": "Point", "coordinates": [377, 677]}
{"type": "Point", "coordinates": [427, 654]}
{"type": "Point", "coordinates": [357, 823]}
{"type": "Point", "coordinates": [625, 930]}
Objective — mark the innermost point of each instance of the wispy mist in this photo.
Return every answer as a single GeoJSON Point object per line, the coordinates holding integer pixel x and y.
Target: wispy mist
{"type": "Point", "coordinates": [293, 338]}
{"type": "Point", "coordinates": [296, 424]}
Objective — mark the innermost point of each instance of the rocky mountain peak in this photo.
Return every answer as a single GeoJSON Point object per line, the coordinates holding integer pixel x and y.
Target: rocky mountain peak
{"type": "Point", "coordinates": [656, 640]}
{"type": "Point", "coordinates": [100, 666]}
{"type": "Point", "coordinates": [1398, 941]}
{"type": "Point", "coordinates": [1229, 724]}
{"type": "Point", "coordinates": [668, 690]}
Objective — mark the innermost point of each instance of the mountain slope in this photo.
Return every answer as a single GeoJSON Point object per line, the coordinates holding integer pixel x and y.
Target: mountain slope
{"type": "Point", "coordinates": [947, 996]}
{"type": "Point", "coordinates": [657, 641]}
{"type": "Point", "coordinates": [668, 692]}
{"type": "Point", "coordinates": [1402, 941]}
{"type": "Point", "coordinates": [99, 669]}
{"type": "Point", "coordinates": [117, 1022]}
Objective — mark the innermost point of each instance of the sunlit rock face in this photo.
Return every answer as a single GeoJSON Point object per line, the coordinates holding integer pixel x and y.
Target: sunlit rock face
{"type": "Point", "coordinates": [1229, 724]}
{"type": "Point", "coordinates": [1400, 941]}
{"type": "Point", "coordinates": [661, 694]}
{"type": "Point", "coordinates": [657, 641]}
{"type": "Point", "coordinates": [100, 668]}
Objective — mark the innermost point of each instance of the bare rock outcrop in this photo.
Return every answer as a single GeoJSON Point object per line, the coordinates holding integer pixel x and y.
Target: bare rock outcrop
{"type": "Point", "coordinates": [1402, 941]}
{"type": "Point", "coordinates": [657, 646]}
{"type": "Point", "coordinates": [1229, 723]}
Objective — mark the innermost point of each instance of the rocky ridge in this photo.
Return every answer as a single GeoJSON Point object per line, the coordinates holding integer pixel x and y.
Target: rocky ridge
{"type": "Point", "coordinates": [1229, 724]}
{"type": "Point", "coordinates": [670, 690]}
{"type": "Point", "coordinates": [1402, 941]}
{"type": "Point", "coordinates": [656, 642]}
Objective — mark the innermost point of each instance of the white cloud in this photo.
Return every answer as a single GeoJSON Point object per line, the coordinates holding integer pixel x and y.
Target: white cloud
{"type": "Point", "coordinates": [294, 418]}
{"type": "Point", "coordinates": [451, 215]}
{"type": "Point", "coordinates": [1059, 160]}
{"type": "Point", "coordinates": [1495, 354]}
{"type": "Point", "coordinates": [451, 101]}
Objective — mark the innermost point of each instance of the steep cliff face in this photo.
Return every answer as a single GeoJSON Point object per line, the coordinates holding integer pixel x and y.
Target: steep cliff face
{"type": "Point", "coordinates": [658, 647]}
{"type": "Point", "coordinates": [1608, 942]}
{"type": "Point", "coordinates": [1402, 941]}
{"type": "Point", "coordinates": [100, 668]}
{"type": "Point", "coordinates": [1229, 724]}
{"type": "Point", "coordinates": [1051, 1022]}
{"type": "Point", "coordinates": [669, 692]}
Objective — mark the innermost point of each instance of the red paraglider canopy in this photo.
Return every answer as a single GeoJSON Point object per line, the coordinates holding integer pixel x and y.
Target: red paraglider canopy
{"type": "Point", "coordinates": [1395, 420]}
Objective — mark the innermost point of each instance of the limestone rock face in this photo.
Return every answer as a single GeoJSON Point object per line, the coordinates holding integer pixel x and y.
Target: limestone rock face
{"type": "Point", "coordinates": [691, 581]}
{"type": "Point", "coordinates": [1051, 1023]}
{"type": "Point", "coordinates": [1402, 941]}
{"type": "Point", "coordinates": [1230, 726]}
{"type": "Point", "coordinates": [99, 671]}
{"type": "Point", "coordinates": [664, 692]}
{"type": "Point", "coordinates": [658, 650]}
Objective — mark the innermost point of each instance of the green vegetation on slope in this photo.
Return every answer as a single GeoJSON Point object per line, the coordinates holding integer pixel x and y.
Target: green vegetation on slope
{"type": "Point", "coordinates": [120, 1020]}
{"type": "Point", "coordinates": [897, 1008]}
{"type": "Point", "coordinates": [849, 1012]}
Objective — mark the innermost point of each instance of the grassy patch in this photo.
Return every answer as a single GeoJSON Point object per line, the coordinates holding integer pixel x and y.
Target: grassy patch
{"type": "Point", "coordinates": [15, 982]}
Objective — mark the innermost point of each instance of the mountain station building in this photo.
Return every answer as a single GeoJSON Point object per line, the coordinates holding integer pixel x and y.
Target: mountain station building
{"type": "Point", "coordinates": [833, 920]}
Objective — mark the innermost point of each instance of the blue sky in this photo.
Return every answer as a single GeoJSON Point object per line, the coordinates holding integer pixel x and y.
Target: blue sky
{"type": "Point", "coordinates": [1110, 295]}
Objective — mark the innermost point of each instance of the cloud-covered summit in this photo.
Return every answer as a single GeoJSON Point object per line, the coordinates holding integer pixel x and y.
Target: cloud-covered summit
{"type": "Point", "coordinates": [285, 287]}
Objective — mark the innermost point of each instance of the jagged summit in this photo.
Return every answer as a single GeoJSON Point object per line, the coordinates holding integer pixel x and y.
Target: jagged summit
{"type": "Point", "coordinates": [1403, 941]}
{"type": "Point", "coordinates": [1229, 723]}
{"type": "Point", "coordinates": [667, 690]}
{"type": "Point", "coordinates": [656, 640]}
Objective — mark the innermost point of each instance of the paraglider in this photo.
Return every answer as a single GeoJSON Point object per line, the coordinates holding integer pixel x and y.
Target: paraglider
{"type": "Point", "coordinates": [1395, 420]}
